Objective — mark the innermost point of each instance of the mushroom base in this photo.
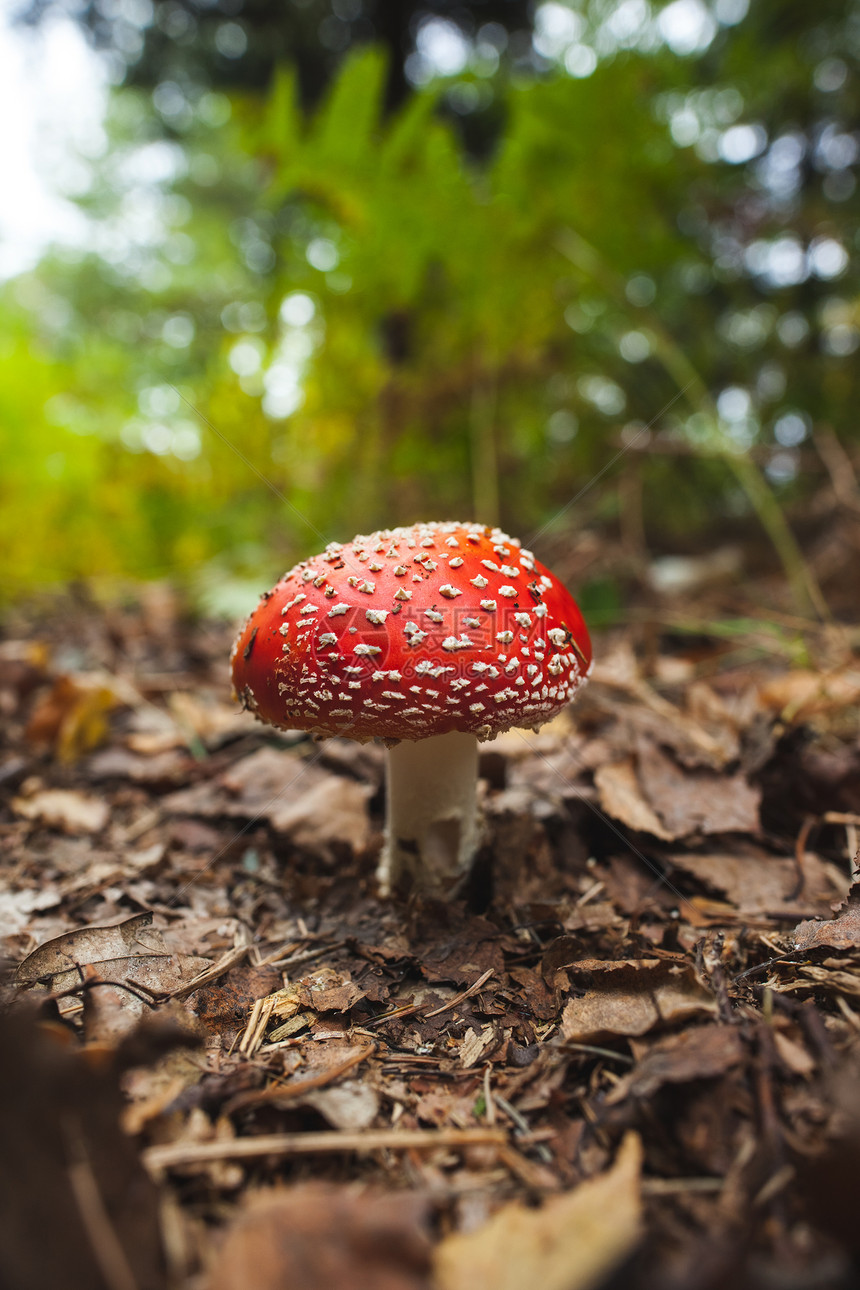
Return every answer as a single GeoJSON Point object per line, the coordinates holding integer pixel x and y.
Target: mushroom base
{"type": "Point", "coordinates": [431, 827]}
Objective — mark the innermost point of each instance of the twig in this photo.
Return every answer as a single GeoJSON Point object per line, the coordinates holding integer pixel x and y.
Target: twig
{"type": "Point", "coordinates": [676, 1186]}
{"type": "Point", "coordinates": [229, 960]}
{"type": "Point", "coordinates": [307, 957]}
{"type": "Point", "coordinates": [466, 994]}
{"type": "Point", "coordinates": [799, 852]}
{"type": "Point", "coordinates": [413, 1010]}
{"type": "Point", "coordinates": [298, 1088]}
{"type": "Point", "coordinates": [157, 1159]}
{"type": "Point", "coordinates": [522, 1127]}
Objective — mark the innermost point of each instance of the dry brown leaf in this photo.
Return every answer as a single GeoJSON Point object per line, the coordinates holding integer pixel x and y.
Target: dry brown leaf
{"type": "Point", "coordinates": [690, 801]}
{"type": "Point", "coordinates": [348, 1106]}
{"type": "Point", "coordinates": [840, 933]}
{"type": "Point", "coordinates": [68, 952]}
{"type": "Point", "coordinates": [793, 1054]}
{"type": "Point", "coordinates": [328, 991]}
{"type": "Point", "coordinates": [631, 997]}
{"type": "Point", "coordinates": [621, 798]}
{"type": "Point", "coordinates": [332, 810]}
{"type": "Point", "coordinates": [299, 799]}
{"type": "Point", "coordinates": [476, 1045]}
{"type": "Point", "coordinates": [316, 1237]}
{"type": "Point", "coordinates": [698, 1053]}
{"type": "Point", "coordinates": [760, 884]}
{"type": "Point", "coordinates": [124, 967]}
{"type": "Point", "coordinates": [63, 808]}
{"type": "Point", "coordinates": [571, 1243]}
{"type": "Point", "coordinates": [825, 975]}
{"type": "Point", "coordinates": [113, 1006]}
{"type": "Point", "coordinates": [800, 694]}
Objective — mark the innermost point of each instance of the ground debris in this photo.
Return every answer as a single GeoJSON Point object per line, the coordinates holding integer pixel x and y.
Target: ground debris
{"type": "Point", "coordinates": [612, 1062]}
{"type": "Point", "coordinates": [570, 1243]}
{"type": "Point", "coordinates": [318, 1237]}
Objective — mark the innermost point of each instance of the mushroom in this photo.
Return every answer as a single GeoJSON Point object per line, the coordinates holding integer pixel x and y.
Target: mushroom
{"type": "Point", "coordinates": [431, 638]}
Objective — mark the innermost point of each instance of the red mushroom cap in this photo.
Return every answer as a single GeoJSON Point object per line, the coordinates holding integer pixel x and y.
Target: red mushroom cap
{"type": "Point", "coordinates": [413, 632]}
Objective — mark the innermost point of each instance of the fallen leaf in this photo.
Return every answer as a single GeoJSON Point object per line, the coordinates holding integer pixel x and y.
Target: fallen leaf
{"type": "Point", "coordinates": [316, 1237]}
{"type": "Point", "coordinates": [223, 1007]}
{"type": "Point", "coordinates": [799, 694]}
{"type": "Point", "coordinates": [840, 933]}
{"type": "Point", "coordinates": [477, 1045]}
{"type": "Point", "coordinates": [631, 997]}
{"type": "Point", "coordinates": [759, 883]}
{"type": "Point", "coordinates": [63, 808]}
{"type": "Point", "coordinates": [328, 991]}
{"type": "Point", "coordinates": [163, 770]}
{"type": "Point", "coordinates": [571, 1243]}
{"type": "Point", "coordinates": [794, 1055]}
{"type": "Point", "coordinates": [69, 951]}
{"type": "Point", "coordinates": [690, 801]}
{"type": "Point", "coordinates": [349, 1106]}
{"type": "Point", "coordinates": [333, 810]}
{"type": "Point", "coordinates": [453, 948]}
{"type": "Point", "coordinates": [124, 967]}
{"type": "Point", "coordinates": [71, 718]}
{"type": "Point", "coordinates": [700, 1053]}
{"type": "Point", "coordinates": [621, 798]}
{"type": "Point", "coordinates": [303, 801]}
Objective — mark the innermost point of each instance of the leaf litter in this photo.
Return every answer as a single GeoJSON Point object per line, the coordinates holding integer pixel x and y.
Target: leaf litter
{"type": "Point", "coordinates": [629, 1056]}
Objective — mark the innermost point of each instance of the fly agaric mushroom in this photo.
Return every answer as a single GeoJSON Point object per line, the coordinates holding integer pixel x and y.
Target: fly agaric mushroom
{"type": "Point", "coordinates": [431, 638]}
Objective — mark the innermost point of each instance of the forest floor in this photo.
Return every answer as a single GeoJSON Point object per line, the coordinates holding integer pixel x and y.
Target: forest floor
{"type": "Point", "coordinates": [628, 1058]}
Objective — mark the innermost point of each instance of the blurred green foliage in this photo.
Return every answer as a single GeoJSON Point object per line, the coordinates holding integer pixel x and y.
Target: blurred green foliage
{"type": "Point", "coordinates": [290, 328]}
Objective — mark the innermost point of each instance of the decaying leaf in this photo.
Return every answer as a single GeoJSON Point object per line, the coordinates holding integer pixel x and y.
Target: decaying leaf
{"type": "Point", "coordinates": [70, 951]}
{"type": "Point", "coordinates": [571, 1243]}
{"type": "Point", "coordinates": [631, 997]}
{"type": "Point", "coordinates": [71, 718]}
{"type": "Point", "coordinates": [699, 800]}
{"type": "Point", "coordinates": [476, 1046]}
{"type": "Point", "coordinates": [348, 1106]}
{"type": "Point", "coordinates": [656, 795]}
{"type": "Point", "coordinates": [702, 1052]}
{"type": "Point", "coordinates": [759, 883]}
{"type": "Point", "coordinates": [800, 693]}
{"type": "Point", "coordinates": [328, 991]}
{"type": "Point", "coordinates": [301, 800]}
{"type": "Point", "coordinates": [315, 1237]}
{"type": "Point", "coordinates": [621, 798]}
{"type": "Point", "coordinates": [840, 933]}
{"type": "Point", "coordinates": [125, 967]}
{"type": "Point", "coordinates": [65, 809]}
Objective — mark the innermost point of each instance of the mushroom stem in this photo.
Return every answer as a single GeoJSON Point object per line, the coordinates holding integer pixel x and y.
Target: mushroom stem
{"type": "Point", "coordinates": [431, 827]}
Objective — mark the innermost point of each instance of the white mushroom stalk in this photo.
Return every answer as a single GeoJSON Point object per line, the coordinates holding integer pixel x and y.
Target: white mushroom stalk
{"type": "Point", "coordinates": [432, 826]}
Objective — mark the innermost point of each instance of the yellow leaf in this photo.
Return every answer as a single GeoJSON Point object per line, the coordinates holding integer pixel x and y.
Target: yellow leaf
{"type": "Point", "coordinates": [571, 1243]}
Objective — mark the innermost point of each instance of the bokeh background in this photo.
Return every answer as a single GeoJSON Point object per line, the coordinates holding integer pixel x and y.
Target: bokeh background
{"type": "Point", "coordinates": [586, 269]}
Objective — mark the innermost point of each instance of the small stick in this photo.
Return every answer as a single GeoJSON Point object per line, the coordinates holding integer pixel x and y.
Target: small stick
{"type": "Point", "coordinates": [412, 1010]}
{"type": "Point", "coordinates": [229, 960]}
{"type": "Point", "coordinates": [286, 1144]}
{"type": "Point", "coordinates": [298, 1088]}
{"type": "Point", "coordinates": [466, 994]}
